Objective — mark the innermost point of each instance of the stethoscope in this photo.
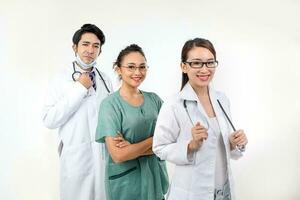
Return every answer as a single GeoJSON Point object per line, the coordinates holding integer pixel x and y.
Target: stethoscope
{"type": "Point", "coordinates": [239, 148]}
{"type": "Point", "coordinates": [77, 74]}
{"type": "Point", "coordinates": [206, 124]}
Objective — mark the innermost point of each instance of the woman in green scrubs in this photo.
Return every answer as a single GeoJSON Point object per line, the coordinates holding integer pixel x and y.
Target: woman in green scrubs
{"type": "Point", "coordinates": [126, 124]}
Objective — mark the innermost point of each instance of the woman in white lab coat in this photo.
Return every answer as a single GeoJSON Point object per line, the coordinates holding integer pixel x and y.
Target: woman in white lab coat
{"type": "Point", "coordinates": [72, 106]}
{"type": "Point", "coordinates": [194, 133]}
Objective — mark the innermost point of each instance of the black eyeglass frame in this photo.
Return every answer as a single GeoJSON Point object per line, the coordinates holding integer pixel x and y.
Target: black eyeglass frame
{"type": "Point", "coordinates": [202, 64]}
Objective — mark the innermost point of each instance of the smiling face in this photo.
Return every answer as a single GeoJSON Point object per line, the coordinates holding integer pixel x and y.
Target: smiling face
{"type": "Point", "coordinates": [199, 77]}
{"type": "Point", "coordinates": [133, 69]}
{"type": "Point", "coordinates": [88, 48]}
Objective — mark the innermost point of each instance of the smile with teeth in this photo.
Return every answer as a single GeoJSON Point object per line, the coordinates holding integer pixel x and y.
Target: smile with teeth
{"type": "Point", "coordinates": [137, 78]}
{"type": "Point", "coordinates": [203, 77]}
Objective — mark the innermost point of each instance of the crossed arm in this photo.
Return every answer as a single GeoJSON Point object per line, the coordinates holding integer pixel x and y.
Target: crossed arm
{"type": "Point", "coordinates": [121, 150]}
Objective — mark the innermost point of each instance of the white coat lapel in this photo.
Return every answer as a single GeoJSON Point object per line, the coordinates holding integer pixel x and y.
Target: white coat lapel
{"type": "Point", "coordinates": [219, 114]}
{"type": "Point", "coordinates": [190, 96]}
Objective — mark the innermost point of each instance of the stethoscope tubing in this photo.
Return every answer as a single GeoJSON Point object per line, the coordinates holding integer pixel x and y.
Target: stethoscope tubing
{"type": "Point", "coordinates": [239, 148]}
{"type": "Point", "coordinates": [101, 77]}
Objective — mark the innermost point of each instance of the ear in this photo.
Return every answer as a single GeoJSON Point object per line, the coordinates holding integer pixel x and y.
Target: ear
{"type": "Point", "coordinates": [183, 67]}
{"type": "Point", "coordinates": [118, 70]}
{"type": "Point", "coordinates": [74, 47]}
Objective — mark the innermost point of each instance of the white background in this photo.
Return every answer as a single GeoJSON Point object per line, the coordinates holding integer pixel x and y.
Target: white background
{"type": "Point", "coordinates": [258, 48]}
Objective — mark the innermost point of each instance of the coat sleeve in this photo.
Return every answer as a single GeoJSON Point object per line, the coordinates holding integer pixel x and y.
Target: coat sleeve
{"type": "Point", "coordinates": [61, 104]}
{"type": "Point", "coordinates": [235, 154]}
{"type": "Point", "coordinates": [166, 143]}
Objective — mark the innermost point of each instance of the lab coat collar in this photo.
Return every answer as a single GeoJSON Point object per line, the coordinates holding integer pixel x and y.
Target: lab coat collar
{"type": "Point", "coordinates": [189, 94]}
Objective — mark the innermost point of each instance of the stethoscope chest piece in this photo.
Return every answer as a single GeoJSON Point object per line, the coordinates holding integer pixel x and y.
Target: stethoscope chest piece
{"type": "Point", "coordinates": [76, 75]}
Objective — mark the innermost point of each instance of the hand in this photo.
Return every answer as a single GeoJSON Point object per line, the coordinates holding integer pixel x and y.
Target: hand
{"type": "Point", "coordinates": [199, 134]}
{"type": "Point", "coordinates": [85, 80]}
{"type": "Point", "coordinates": [121, 142]}
{"type": "Point", "coordinates": [238, 139]}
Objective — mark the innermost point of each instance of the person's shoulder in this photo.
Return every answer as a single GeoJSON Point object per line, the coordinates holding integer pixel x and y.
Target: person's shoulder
{"type": "Point", "coordinates": [151, 94]}
{"type": "Point", "coordinates": [153, 97]}
{"type": "Point", "coordinates": [111, 98]}
{"type": "Point", "coordinates": [111, 105]}
{"type": "Point", "coordinates": [62, 75]}
{"type": "Point", "coordinates": [173, 100]}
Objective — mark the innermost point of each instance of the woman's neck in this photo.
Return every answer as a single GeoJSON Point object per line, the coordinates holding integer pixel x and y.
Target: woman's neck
{"type": "Point", "coordinates": [132, 95]}
{"type": "Point", "coordinates": [201, 91]}
{"type": "Point", "coordinates": [203, 96]}
{"type": "Point", "coordinates": [128, 91]}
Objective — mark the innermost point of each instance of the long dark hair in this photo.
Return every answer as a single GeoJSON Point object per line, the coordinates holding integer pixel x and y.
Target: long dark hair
{"type": "Point", "coordinates": [190, 44]}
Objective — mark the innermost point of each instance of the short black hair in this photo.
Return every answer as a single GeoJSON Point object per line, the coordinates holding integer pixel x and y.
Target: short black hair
{"type": "Point", "coordinates": [88, 28]}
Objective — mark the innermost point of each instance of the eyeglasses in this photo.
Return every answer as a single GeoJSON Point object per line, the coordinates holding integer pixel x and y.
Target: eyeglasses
{"type": "Point", "coordinates": [199, 64]}
{"type": "Point", "coordinates": [132, 68]}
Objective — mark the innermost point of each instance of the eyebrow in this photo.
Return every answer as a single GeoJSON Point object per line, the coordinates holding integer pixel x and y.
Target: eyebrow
{"type": "Point", "coordinates": [87, 42]}
{"type": "Point", "coordinates": [135, 63]}
{"type": "Point", "coordinates": [198, 59]}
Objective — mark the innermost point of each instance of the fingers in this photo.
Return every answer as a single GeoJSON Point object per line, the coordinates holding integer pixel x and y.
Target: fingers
{"type": "Point", "coordinates": [118, 138]}
{"type": "Point", "coordinates": [200, 134]}
{"type": "Point", "coordinates": [85, 75]}
{"type": "Point", "coordinates": [242, 142]}
{"type": "Point", "coordinates": [198, 127]}
{"type": "Point", "coordinates": [85, 80]}
{"type": "Point", "coordinates": [122, 144]}
{"type": "Point", "coordinates": [198, 124]}
{"type": "Point", "coordinates": [200, 137]}
{"type": "Point", "coordinates": [238, 138]}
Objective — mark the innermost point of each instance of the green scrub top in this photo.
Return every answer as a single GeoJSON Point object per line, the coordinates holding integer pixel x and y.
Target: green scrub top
{"type": "Point", "coordinates": [143, 178]}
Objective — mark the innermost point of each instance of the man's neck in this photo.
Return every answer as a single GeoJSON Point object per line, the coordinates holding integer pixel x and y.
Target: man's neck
{"type": "Point", "coordinates": [87, 70]}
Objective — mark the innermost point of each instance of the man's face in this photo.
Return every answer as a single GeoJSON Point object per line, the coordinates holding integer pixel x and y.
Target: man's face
{"type": "Point", "coordinates": [88, 48]}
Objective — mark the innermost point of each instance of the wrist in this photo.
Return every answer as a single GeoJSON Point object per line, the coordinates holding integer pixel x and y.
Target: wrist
{"type": "Point", "coordinates": [191, 146]}
{"type": "Point", "coordinates": [232, 147]}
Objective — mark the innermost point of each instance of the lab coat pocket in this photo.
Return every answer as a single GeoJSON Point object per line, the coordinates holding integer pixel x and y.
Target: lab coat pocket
{"type": "Point", "coordinates": [77, 160]}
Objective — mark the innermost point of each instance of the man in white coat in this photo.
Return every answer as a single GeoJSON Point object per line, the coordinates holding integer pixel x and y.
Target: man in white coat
{"type": "Point", "coordinates": [72, 106]}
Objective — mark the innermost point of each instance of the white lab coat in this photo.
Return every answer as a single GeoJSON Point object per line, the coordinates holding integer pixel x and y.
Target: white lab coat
{"type": "Point", "coordinates": [194, 175]}
{"type": "Point", "coordinates": [73, 109]}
